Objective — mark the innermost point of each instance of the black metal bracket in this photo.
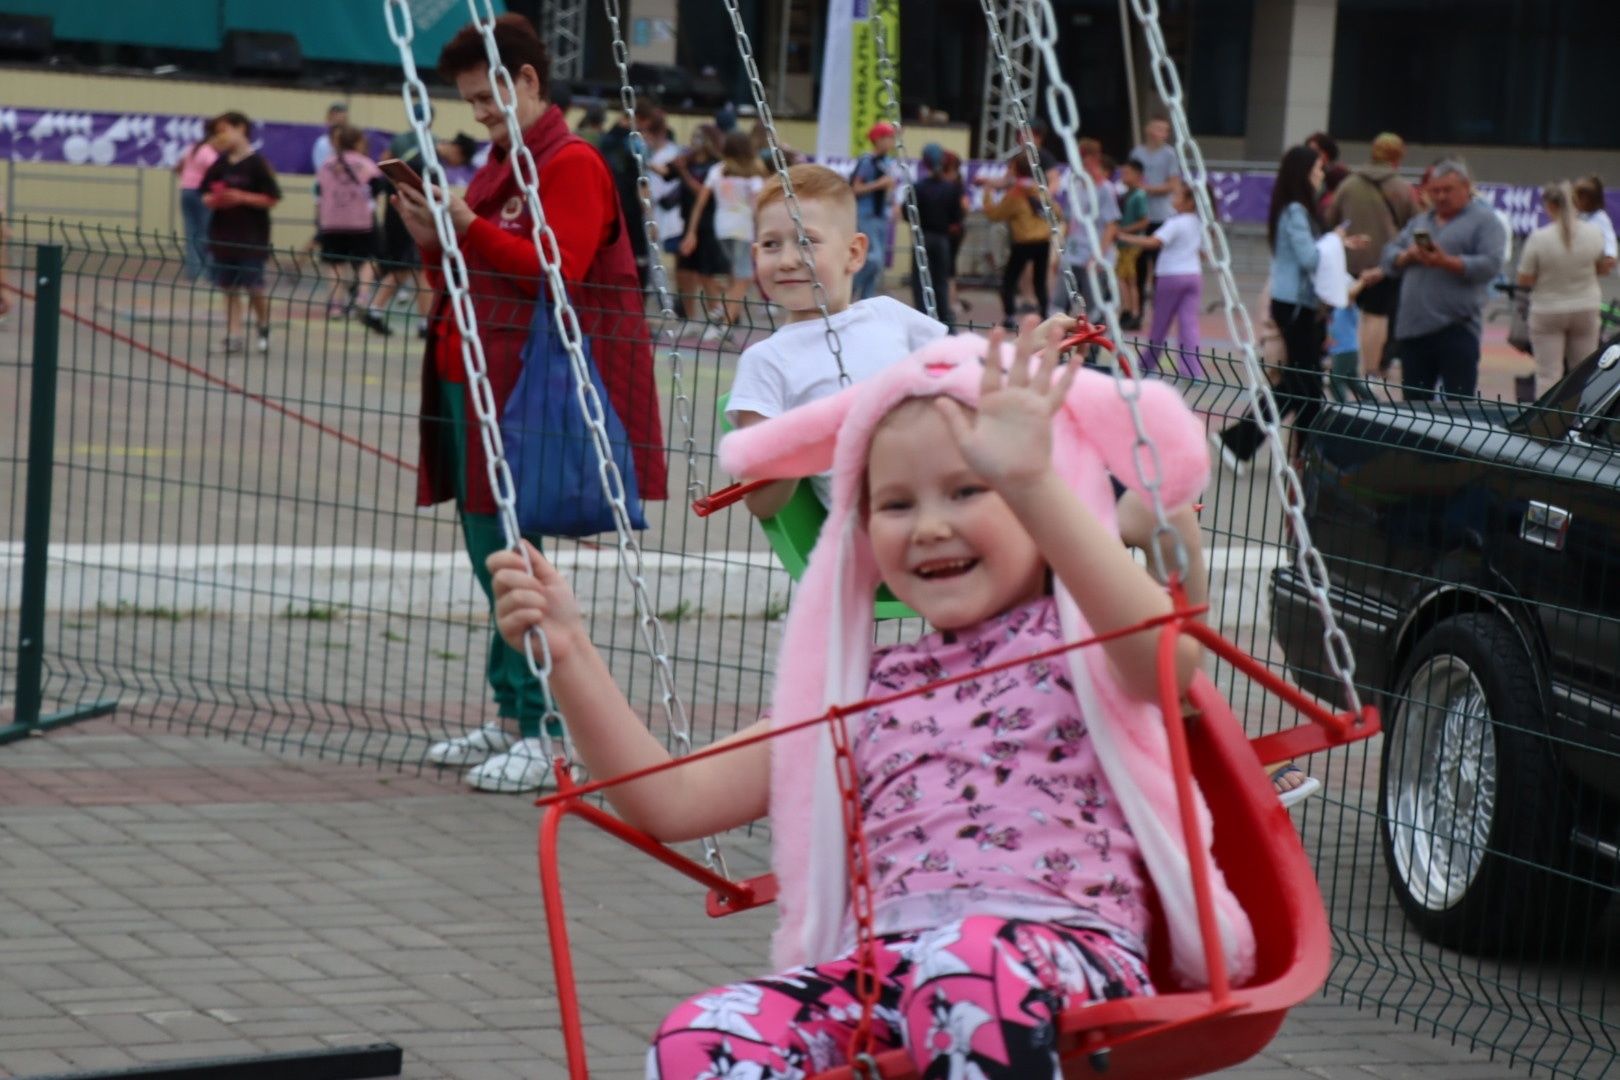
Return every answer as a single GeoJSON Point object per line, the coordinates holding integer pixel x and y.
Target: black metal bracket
{"type": "Point", "coordinates": [340, 1063]}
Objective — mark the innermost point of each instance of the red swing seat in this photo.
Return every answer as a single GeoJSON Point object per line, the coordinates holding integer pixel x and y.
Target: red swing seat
{"type": "Point", "coordinates": [1184, 1034]}
{"type": "Point", "coordinates": [1173, 1034]}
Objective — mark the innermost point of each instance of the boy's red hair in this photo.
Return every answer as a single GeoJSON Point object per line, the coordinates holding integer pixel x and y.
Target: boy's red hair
{"type": "Point", "coordinates": [810, 183]}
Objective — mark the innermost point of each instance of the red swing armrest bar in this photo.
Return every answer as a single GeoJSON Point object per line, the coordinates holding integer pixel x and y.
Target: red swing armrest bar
{"type": "Point", "coordinates": [724, 897]}
{"type": "Point", "coordinates": [704, 505]}
{"type": "Point", "coordinates": [1326, 728]}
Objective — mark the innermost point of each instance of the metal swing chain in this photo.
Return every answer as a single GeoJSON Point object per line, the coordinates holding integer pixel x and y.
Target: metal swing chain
{"type": "Point", "coordinates": [631, 563]}
{"type": "Point", "coordinates": [652, 626]}
{"type": "Point", "coordinates": [1004, 63]}
{"type": "Point", "coordinates": [891, 109]}
{"type": "Point", "coordinates": [1082, 189]}
{"type": "Point", "coordinates": [419, 112]}
{"type": "Point", "coordinates": [1341, 660]}
{"type": "Point", "coordinates": [756, 87]}
{"type": "Point", "coordinates": [668, 322]}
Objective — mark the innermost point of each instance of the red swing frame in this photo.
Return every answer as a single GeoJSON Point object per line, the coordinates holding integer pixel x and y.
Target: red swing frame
{"type": "Point", "coordinates": [1164, 1037]}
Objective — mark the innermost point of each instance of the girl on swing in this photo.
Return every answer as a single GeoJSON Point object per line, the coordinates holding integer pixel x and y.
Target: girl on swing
{"type": "Point", "coordinates": [1021, 824]}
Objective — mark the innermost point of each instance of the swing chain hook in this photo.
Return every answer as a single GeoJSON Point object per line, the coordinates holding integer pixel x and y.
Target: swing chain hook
{"type": "Point", "coordinates": [419, 112]}
{"type": "Point", "coordinates": [1026, 140]}
{"type": "Point", "coordinates": [1263, 405]}
{"type": "Point", "coordinates": [865, 1067]}
{"type": "Point", "coordinates": [1104, 286]}
{"type": "Point", "coordinates": [762, 107]}
{"type": "Point", "coordinates": [652, 626]}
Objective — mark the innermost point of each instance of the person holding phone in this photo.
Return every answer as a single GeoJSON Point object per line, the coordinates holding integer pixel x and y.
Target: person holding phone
{"type": "Point", "coordinates": [1445, 259]}
{"type": "Point", "coordinates": [398, 263]}
{"type": "Point", "coordinates": [492, 224]}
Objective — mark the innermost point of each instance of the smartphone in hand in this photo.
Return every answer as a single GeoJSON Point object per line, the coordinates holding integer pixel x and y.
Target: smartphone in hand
{"type": "Point", "coordinates": [1423, 240]}
{"type": "Point", "coordinates": [400, 174]}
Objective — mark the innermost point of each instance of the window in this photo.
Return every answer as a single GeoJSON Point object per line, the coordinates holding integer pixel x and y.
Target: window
{"type": "Point", "coordinates": [1216, 68]}
{"type": "Point", "coordinates": [1490, 72]}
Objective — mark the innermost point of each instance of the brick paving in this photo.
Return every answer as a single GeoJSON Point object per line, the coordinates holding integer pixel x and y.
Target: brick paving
{"type": "Point", "coordinates": [165, 897]}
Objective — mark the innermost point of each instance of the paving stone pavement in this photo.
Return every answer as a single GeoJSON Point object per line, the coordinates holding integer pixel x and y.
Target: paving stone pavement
{"type": "Point", "coordinates": [165, 897]}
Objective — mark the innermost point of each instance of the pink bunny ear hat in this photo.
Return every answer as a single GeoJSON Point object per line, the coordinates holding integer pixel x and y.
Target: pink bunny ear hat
{"type": "Point", "coordinates": [825, 657]}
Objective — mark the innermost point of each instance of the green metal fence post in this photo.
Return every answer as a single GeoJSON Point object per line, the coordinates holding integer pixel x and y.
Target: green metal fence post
{"type": "Point", "coordinates": [37, 509]}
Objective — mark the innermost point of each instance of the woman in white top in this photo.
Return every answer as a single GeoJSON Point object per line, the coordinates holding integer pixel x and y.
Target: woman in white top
{"type": "Point", "coordinates": [1178, 281]}
{"type": "Point", "coordinates": [1560, 266]}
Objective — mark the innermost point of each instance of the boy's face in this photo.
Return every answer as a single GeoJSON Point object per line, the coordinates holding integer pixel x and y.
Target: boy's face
{"type": "Point", "coordinates": [883, 144]}
{"type": "Point", "coordinates": [1131, 178]}
{"type": "Point", "coordinates": [779, 262]}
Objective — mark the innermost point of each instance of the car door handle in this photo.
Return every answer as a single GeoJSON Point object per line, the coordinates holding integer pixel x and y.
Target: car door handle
{"type": "Point", "coordinates": [1545, 525]}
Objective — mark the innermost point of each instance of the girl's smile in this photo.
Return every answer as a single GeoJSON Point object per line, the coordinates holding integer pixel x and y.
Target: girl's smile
{"type": "Point", "coordinates": [944, 541]}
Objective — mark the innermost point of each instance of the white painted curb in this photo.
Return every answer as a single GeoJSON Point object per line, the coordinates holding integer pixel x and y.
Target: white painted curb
{"type": "Point", "coordinates": [225, 581]}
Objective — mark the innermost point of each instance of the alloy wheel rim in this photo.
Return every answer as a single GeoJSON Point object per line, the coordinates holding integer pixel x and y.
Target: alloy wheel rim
{"type": "Point", "coordinates": [1441, 794]}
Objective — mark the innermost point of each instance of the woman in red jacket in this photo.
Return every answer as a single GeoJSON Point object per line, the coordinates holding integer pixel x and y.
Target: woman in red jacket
{"type": "Point", "coordinates": [492, 226]}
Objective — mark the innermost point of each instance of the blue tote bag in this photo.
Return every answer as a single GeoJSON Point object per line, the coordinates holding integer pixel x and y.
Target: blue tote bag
{"type": "Point", "coordinates": [549, 444]}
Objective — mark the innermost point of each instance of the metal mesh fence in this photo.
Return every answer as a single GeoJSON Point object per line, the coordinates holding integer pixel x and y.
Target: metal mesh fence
{"type": "Point", "coordinates": [236, 550]}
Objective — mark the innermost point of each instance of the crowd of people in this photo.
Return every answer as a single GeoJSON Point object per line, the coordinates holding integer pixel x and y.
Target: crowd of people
{"type": "Point", "coordinates": [1367, 270]}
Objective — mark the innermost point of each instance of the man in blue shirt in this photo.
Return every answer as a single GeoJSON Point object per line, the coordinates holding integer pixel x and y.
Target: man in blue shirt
{"type": "Point", "coordinates": [1445, 259]}
{"type": "Point", "coordinates": [873, 180]}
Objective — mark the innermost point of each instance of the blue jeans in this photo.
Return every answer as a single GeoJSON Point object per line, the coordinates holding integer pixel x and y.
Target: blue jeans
{"type": "Point", "coordinates": [195, 217]}
{"type": "Point", "coordinates": [1448, 358]}
{"type": "Point", "coordinates": [876, 230]}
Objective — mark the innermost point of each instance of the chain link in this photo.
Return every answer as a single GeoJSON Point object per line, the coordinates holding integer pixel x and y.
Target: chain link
{"type": "Point", "coordinates": [668, 322]}
{"type": "Point", "coordinates": [1261, 401]}
{"type": "Point", "coordinates": [1026, 138]}
{"type": "Point", "coordinates": [756, 87]}
{"type": "Point", "coordinates": [419, 111]}
{"type": "Point", "coordinates": [891, 109]}
{"type": "Point", "coordinates": [862, 897]}
{"type": "Point", "coordinates": [1104, 283]}
{"type": "Point", "coordinates": [652, 627]}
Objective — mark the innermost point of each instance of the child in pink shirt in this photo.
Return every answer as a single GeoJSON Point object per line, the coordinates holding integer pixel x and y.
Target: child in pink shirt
{"type": "Point", "coordinates": [191, 168]}
{"type": "Point", "coordinates": [1014, 819]}
{"type": "Point", "coordinates": [346, 212]}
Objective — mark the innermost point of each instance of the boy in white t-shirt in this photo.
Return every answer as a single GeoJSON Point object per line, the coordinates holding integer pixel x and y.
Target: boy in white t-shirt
{"type": "Point", "coordinates": [795, 365]}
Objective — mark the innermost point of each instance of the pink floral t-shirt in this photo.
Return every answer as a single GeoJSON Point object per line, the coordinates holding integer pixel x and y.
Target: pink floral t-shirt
{"type": "Point", "coordinates": [986, 797]}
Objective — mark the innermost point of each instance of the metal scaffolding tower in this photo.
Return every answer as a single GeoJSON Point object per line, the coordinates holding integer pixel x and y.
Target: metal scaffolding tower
{"type": "Point", "coordinates": [998, 132]}
{"type": "Point", "coordinates": [562, 28]}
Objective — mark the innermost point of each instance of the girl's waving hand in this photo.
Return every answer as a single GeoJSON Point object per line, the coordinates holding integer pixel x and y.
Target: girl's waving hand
{"type": "Point", "coordinates": [1008, 440]}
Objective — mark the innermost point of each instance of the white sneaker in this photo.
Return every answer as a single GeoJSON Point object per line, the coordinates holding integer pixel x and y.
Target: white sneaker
{"type": "Point", "coordinates": [472, 747]}
{"type": "Point", "coordinates": [716, 332]}
{"type": "Point", "coordinates": [1236, 465]}
{"type": "Point", "coordinates": [525, 767]}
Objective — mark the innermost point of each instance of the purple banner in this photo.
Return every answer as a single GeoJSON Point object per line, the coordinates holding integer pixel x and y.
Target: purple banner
{"type": "Point", "coordinates": [149, 140]}
{"type": "Point", "coordinates": [155, 140]}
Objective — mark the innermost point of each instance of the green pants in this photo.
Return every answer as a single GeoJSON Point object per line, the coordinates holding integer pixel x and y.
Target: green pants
{"type": "Point", "coordinates": [517, 692]}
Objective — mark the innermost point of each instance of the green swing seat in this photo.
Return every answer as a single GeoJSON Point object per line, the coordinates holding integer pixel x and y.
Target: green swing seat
{"type": "Point", "coordinates": [793, 531]}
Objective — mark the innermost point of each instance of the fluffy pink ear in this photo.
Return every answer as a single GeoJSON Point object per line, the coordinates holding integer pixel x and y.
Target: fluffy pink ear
{"type": "Point", "coordinates": [797, 443]}
{"type": "Point", "coordinates": [1102, 418]}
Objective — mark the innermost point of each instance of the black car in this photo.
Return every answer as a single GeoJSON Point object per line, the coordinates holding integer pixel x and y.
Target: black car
{"type": "Point", "coordinates": [1473, 551]}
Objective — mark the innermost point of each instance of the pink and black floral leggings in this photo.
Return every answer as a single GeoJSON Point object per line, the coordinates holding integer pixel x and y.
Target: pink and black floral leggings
{"type": "Point", "coordinates": [979, 994]}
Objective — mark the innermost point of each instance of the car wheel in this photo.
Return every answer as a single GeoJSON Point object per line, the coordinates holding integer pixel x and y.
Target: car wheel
{"type": "Point", "coordinates": [1474, 813]}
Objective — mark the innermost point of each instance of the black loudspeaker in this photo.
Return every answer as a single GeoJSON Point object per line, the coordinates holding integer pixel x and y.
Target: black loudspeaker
{"type": "Point", "coordinates": [25, 36]}
{"type": "Point", "coordinates": [261, 52]}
